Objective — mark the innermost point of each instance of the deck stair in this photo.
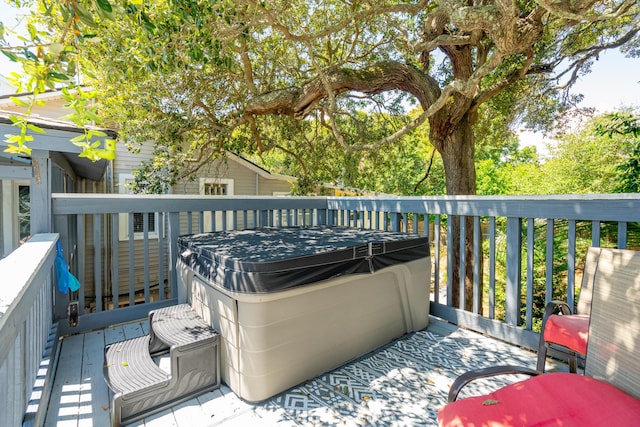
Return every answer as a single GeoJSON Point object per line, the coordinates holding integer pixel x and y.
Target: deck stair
{"type": "Point", "coordinates": [140, 387]}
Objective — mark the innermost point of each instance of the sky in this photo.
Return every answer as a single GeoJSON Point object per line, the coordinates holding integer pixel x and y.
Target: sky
{"type": "Point", "coordinates": [614, 82]}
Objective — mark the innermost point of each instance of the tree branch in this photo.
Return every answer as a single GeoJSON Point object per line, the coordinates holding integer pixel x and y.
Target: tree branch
{"type": "Point", "coordinates": [373, 79]}
{"type": "Point", "coordinates": [339, 26]}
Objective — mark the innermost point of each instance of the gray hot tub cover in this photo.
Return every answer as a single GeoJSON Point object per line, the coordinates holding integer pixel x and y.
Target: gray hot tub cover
{"type": "Point", "coordinates": [272, 259]}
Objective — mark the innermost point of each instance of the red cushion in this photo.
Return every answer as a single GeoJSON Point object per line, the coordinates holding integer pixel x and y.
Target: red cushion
{"type": "Point", "coordinates": [571, 331]}
{"type": "Point", "coordinates": [554, 399]}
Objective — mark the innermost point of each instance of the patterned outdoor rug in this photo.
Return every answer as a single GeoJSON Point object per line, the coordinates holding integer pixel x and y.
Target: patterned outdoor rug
{"type": "Point", "coordinates": [402, 384]}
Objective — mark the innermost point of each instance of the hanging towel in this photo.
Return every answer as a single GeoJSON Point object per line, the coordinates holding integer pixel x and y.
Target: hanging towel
{"type": "Point", "coordinates": [62, 271]}
{"type": "Point", "coordinates": [66, 281]}
{"type": "Point", "coordinates": [74, 283]}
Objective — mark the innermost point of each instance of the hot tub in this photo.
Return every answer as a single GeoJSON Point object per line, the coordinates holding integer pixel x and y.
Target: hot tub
{"type": "Point", "coordinates": [291, 303]}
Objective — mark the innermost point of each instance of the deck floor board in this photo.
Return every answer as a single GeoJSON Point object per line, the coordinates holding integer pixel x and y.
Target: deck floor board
{"type": "Point", "coordinates": [401, 384]}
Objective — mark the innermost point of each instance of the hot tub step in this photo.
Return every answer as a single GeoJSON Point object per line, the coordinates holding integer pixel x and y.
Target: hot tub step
{"type": "Point", "coordinates": [140, 387]}
{"type": "Point", "coordinates": [176, 325]}
{"type": "Point", "coordinates": [129, 367]}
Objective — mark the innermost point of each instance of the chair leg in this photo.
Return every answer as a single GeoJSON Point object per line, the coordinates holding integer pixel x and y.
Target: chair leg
{"type": "Point", "coordinates": [573, 362]}
{"type": "Point", "coordinates": [542, 355]}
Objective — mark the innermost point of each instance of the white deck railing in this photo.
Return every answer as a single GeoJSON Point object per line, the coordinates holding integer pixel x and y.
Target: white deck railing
{"type": "Point", "coordinates": [26, 313]}
{"type": "Point", "coordinates": [513, 238]}
{"type": "Point", "coordinates": [528, 234]}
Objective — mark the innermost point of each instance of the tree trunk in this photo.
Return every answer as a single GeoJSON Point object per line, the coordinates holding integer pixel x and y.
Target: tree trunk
{"type": "Point", "coordinates": [456, 146]}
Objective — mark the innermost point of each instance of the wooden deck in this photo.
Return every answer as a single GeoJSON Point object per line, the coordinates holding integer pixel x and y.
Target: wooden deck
{"type": "Point", "coordinates": [401, 384]}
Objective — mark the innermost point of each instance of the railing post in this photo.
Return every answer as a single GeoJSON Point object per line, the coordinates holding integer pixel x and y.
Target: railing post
{"type": "Point", "coordinates": [39, 193]}
{"type": "Point", "coordinates": [514, 270]}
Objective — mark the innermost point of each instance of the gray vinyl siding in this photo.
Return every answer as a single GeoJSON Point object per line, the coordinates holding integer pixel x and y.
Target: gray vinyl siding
{"type": "Point", "coordinates": [246, 181]}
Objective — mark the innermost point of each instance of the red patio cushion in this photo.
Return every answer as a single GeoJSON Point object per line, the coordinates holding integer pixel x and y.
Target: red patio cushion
{"type": "Point", "coordinates": [571, 331]}
{"type": "Point", "coordinates": [553, 399]}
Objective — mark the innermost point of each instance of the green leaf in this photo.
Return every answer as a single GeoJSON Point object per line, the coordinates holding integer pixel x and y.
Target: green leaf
{"type": "Point", "coordinates": [19, 102]}
{"type": "Point", "coordinates": [12, 139]}
{"type": "Point", "coordinates": [35, 128]}
{"type": "Point", "coordinates": [30, 55]}
{"type": "Point", "coordinates": [96, 132]}
{"type": "Point", "coordinates": [17, 120]}
{"type": "Point", "coordinates": [58, 76]}
{"type": "Point", "coordinates": [79, 138]}
{"type": "Point", "coordinates": [10, 55]}
{"type": "Point", "coordinates": [85, 16]}
{"type": "Point", "coordinates": [104, 5]}
{"type": "Point", "coordinates": [13, 149]}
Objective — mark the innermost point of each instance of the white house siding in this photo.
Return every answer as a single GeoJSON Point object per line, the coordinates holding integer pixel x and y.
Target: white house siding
{"type": "Point", "coordinates": [53, 109]}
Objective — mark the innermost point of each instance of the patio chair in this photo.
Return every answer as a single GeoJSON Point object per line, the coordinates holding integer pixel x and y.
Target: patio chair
{"type": "Point", "coordinates": [608, 393]}
{"type": "Point", "coordinates": [569, 329]}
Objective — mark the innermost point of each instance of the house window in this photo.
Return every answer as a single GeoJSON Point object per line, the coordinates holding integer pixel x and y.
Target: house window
{"type": "Point", "coordinates": [124, 180]}
{"type": "Point", "coordinates": [24, 212]}
{"type": "Point", "coordinates": [138, 222]}
{"type": "Point", "coordinates": [216, 187]}
{"type": "Point", "coordinates": [15, 214]}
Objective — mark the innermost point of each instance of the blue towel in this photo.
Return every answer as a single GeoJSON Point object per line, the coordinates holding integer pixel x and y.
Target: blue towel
{"type": "Point", "coordinates": [66, 281]}
{"type": "Point", "coordinates": [62, 271]}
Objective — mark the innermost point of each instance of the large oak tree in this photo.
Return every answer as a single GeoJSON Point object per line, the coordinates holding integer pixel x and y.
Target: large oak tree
{"type": "Point", "coordinates": [199, 77]}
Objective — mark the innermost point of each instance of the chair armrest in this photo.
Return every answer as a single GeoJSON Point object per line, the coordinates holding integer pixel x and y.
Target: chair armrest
{"type": "Point", "coordinates": [550, 309]}
{"type": "Point", "coordinates": [493, 371]}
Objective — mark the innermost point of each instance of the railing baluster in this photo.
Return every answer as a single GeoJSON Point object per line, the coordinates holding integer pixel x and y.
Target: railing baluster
{"type": "Point", "coordinates": [81, 244]}
{"type": "Point", "coordinates": [622, 235]}
{"type": "Point", "coordinates": [161, 255]}
{"type": "Point", "coordinates": [477, 266]}
{"type": "Point", "coordinates": [132, 289]}
{"type": "Point", "coordinates": [595, 233]}
{"type": "Point", "coordinates": [145, 252]}
{"type": "Point", "coordinates": [514, 257]}
{"type": "Point", "coordinates": [492, 268]}
{"type": "Point", "coordinates": [463, 261]}
{"type": "Point", "coordinates": [97, 272]}
{"type": "Point", "coordinates": [115, 261]}
{"type": "Point", "coordinates": [174, 233]}
{"type": "Point", "coordinates": [450, 265]}
{"type": "Point", "coordinates": [571, 264]}
{"type": "Point", "coordinates": [436, 256]}
{"type": "Point", "coordinates": [530, 258]}
{"type": "Point", "coordinates": [549, 260]}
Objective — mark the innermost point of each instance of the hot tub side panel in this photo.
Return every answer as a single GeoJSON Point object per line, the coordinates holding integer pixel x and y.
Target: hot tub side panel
{"type": "Point", "coordinates": [272, 342]}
